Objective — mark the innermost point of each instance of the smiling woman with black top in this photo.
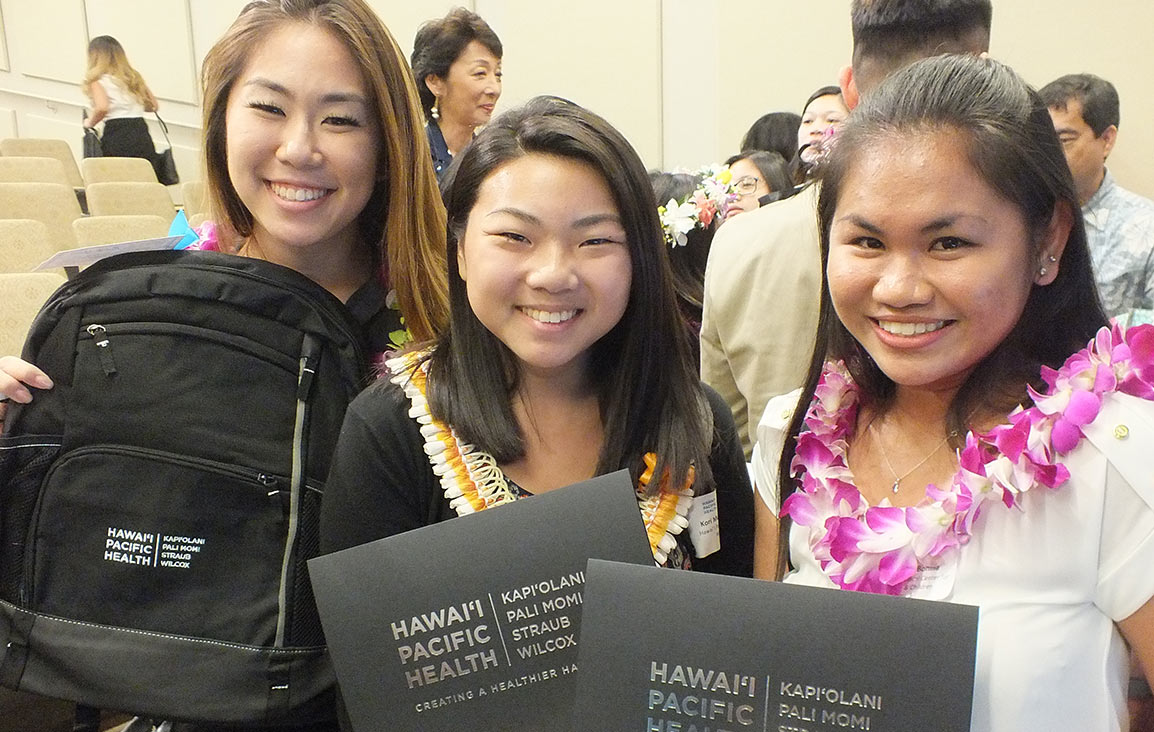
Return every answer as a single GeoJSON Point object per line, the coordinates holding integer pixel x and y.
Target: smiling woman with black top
{"type": "Point", "coordinates": [565, 358]}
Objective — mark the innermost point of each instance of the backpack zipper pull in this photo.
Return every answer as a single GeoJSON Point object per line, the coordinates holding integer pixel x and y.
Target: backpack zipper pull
{"type": "Point", "coordinates": [268, 481]}
{"type": "Point", "coordinates": [307, 372]}
{"type": "Point", "coordinates": [104, 350]}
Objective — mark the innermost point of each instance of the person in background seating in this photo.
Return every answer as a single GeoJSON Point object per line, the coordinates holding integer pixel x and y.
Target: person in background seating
{"type": "Point", "coordinates": [120, 98]}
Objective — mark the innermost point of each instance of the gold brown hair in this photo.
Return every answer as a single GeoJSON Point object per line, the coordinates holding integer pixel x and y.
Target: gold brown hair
{"type": "Point", "coordinates": [106, 56]}
{"type": "Point", "coordinates": [404, 219]}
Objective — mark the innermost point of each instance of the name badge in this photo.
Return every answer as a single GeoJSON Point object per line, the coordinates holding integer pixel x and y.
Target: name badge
{"type": "Point", "coordinates": [934, 583]}
{"type": "Point", "coordinates": [704, 526]}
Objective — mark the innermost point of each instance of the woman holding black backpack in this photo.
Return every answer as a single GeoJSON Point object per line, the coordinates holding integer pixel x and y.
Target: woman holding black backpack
{"type": "Point", "coordinates": [316, 161]}
{"type": "Point", "coordinates": [374, 238]}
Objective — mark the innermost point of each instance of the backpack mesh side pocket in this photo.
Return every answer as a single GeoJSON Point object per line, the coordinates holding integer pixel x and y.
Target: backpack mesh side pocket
{"type": "Point", "coordinates": [24, 461]}
{"type": "Point", "coordinates": [305, 623]}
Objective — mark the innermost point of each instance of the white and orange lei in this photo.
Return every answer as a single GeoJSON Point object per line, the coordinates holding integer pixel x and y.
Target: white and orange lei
{"type": "Point", "coordinates": [472, 480]}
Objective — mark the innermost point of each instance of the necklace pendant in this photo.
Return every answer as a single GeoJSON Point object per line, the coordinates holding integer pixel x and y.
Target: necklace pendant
{"type": "Point", "coordinates": [894, 487]}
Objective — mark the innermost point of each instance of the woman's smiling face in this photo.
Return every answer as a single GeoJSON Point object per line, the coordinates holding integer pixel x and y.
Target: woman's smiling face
{"type": "Point", "coordinates": [302, 138]}
{"type": "Point", "coordinates": [469, 92]}
{"type": "Point", "coordinates": [929, 267]}
{"type": "Point", "coordinates": [545, 261]}
{"type": "Point", "coordinates": [822, 114]}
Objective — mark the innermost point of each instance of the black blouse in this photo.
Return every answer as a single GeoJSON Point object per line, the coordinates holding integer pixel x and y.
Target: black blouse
{"type": "Point", "coordinates": [381, 483]}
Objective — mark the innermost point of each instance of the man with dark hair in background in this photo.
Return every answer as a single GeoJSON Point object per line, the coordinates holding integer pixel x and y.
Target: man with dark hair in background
{"type": "Point", "coordinates": [1119, 223]}
{"type": "Point", "coordinates": [763, 279]}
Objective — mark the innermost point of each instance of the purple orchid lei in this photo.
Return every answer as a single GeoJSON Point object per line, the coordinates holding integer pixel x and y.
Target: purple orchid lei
{"type": "Point", "coordinates": [207, 238]}
{"type": "Point", "coordinates": [879, 548]}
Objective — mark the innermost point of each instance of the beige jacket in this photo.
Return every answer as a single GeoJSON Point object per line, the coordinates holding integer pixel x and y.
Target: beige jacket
{"type": "Point", "coordinates": [762, 289]}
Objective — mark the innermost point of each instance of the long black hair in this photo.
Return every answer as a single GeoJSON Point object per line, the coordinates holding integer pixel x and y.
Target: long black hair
{"type": "Point", "coordinates": [650, 397]}
{"type": "Point", "coordinates": [775, 132]}
{"type": "Point", "coordinates": [1010, 142]}
{"type": "Point", "coordinates": [686, 262]}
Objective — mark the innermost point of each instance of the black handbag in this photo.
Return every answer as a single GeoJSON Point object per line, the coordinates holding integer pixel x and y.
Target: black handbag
{"type": "Point", "coordinates": [92, 144]}
{"type": "Point", "coordinates": [162, 162]}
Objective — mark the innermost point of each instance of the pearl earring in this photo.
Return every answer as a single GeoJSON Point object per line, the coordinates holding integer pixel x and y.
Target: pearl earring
{"type": "Point", "coordinates": [434, 112]}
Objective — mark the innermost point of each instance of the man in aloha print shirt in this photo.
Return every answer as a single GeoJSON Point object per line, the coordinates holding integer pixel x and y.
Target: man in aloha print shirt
{"type": "Point", "coordinates": [1119, 223]}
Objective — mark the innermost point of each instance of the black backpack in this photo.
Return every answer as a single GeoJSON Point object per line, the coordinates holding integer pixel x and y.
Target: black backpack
{"type": "Point", "coordinates": [157, 507]}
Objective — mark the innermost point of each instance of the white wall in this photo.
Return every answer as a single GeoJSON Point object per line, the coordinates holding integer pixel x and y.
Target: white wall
{"type": "Point", "coordinates": [602, 54]}
{"type": "Point", "coordinates": [683, 79]}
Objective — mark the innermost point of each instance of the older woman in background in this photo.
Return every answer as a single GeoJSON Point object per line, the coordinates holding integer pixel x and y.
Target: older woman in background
{"type": "Point", "coordinates": [457, 63]}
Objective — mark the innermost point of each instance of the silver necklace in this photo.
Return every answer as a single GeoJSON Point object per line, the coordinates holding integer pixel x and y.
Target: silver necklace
{"type": "Point", "coordinates": [899, 478]}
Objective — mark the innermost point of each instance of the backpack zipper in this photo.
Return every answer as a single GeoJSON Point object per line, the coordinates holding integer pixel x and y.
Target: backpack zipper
{"type": "Point", "coordinates": [310, 351]}
{"type": "Point", "coordinates": [102, 334]}
{"type": "Point", "coordinates": [103, 348]}
{"type": "Point", "coordinates": [270, 482]}
{"type": "Point", "coordinates": [341, 321]}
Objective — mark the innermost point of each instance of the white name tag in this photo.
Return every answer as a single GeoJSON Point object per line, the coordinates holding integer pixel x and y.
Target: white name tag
{"type": "Point", "coordinates": [704, 526]}
{"type": "Point", "coordinates": [934, 583]}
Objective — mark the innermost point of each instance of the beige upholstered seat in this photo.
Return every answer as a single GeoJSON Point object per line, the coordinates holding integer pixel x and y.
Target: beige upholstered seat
{"type": "Point", "coordinates": [44, 148]}
{"type": "Point", "coordinates": [192, 193]}
{"type": "Point", "coordinates": [24, 293]}
{"type": "Point", "coordinates": [51, 203]}
{"type": "Point", "coordinates": [32, 170]}
{"type": "Point", "coordinates": [93, 230]}
{"type": "Point", "coordinates": [23, 244]}
{"type": "Point", "coordinates": [118, 199]}
{"type": "Point", "coordinates": [107, 170]}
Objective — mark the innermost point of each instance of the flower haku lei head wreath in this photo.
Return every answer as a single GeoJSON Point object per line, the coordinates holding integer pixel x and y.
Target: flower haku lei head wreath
{"type": "Point", "coordinates": [709, 200]}
{"type": "Point", "coordinates": [879, 548]}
